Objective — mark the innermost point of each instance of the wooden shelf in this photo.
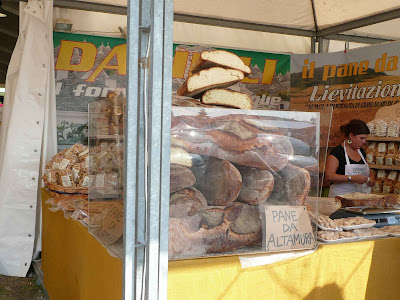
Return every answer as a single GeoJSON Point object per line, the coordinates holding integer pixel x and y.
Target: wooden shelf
{"type": "Point", "coordinates": [107, 137]}
{"type": "Point", "coordinates": [384, 167]}
{"type": "Point", "coordinates": [383, 139]}
{"type": "Point", "coordinates": [382, 194]}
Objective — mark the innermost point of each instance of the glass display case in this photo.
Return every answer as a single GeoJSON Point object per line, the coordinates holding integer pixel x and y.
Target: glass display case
{"type": "Point", "coordinates": [106, 162]}
{"type": "Point", "coordinates": [239, 181]}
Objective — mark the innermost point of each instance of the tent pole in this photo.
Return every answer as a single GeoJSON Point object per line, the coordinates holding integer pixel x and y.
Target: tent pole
{"type": "Point", "coordinates": [147, 149]}
{"type": "Point", "coordinates": [320, 45]}
{"type": "Point", "coordinates": [313, 44]}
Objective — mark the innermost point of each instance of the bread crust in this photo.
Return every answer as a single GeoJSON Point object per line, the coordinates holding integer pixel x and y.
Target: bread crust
{"type": "Point", "coordinates": [229, 77]}
{"type": "Point", "coordinates": [204, 63]}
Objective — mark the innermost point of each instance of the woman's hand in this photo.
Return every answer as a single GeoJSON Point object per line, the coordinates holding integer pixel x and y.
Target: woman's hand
{"type": "Point", "coordinates": [371, 181]}
{"type": "Point", "coordinates": [360, 179]}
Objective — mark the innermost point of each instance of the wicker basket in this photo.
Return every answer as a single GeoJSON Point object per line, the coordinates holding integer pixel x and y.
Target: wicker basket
{"type": "Point", "coordinates": [64, 189]}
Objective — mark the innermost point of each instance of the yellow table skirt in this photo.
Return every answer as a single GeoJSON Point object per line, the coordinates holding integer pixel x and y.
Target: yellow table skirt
{"type": "Point", "coordinates": [77, 267]}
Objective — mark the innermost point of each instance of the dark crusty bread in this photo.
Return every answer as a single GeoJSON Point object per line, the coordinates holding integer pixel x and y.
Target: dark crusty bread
{"type": "Point", "coordinates": [208, 79]}
{"type": "Point", "coordinates": [228, 98]}
{"type": "Point", "coordinates": [180, 178]}
{"type": "Point", "coordinates": [232, 138]}
{"type": "Point", "coordinates": [297, 183]}
{"type": "Point", "coordinates": [257, 185]}
{"type": "Point", "coordinates": [188, 102]}
{"type": "Point", "coordinates": [186, 202]}
{"type": "Point", "coordinates": [220, 58]}
{"type": "Point", "coordinates": [361, 199]}
{"type": "Point", "coordinates": [215, 230]}
{"type": "Point", "coordinates": [220, 183]}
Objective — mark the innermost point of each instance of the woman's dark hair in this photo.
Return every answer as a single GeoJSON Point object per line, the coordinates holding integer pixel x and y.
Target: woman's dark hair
{"type": "Point", "coordinates": [355, 127]}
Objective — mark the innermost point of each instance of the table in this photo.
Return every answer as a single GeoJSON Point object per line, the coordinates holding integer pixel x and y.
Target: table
{"type": "Point", "coordinates": [76, 266]}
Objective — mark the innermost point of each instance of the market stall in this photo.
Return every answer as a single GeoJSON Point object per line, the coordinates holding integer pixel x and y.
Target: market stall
{"type": "Point", "coordinates": [211, 226]}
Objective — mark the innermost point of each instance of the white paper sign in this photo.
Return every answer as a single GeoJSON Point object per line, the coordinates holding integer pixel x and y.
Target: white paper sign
{"type": "Point", "coordinates": [288, 227]}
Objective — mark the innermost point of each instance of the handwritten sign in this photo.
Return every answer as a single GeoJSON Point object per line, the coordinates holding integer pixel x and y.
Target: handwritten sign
{"type": "Point", "coordinates": [288, 227]}
{"type": "Point", "coordinates": [112, 227]}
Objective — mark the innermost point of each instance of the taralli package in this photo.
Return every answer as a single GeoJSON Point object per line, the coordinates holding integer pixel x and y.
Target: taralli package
{"type": "Point", "coordinates": [65, 169]}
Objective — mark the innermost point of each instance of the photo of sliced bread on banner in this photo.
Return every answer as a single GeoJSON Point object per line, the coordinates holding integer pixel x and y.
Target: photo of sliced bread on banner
{"type": "Point", "coordinates": [213, 72]}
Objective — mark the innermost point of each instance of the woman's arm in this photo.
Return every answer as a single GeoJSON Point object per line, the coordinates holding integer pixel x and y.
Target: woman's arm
{"type": "Point", "coordinates": [371, 182]}
{"type": "Point", "coordinates": [332, 164]}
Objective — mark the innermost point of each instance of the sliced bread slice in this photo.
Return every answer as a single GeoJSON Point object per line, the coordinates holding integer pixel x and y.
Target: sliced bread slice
{"type": "Point", "coordinates": [220, 58]}
{"type": "Point", "coordinates": [215, 77]}
{"type": "Point", "coordinates": [227, 98]}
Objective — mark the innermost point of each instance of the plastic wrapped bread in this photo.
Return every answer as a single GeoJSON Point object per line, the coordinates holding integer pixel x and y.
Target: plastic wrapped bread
{"type": "Point", "coordinates": [397, 187]}
{"type": "Point", "coordinates": [371, 152]}
{"type": "Point", "coordinates": [381, 153]}
{"type": "Point", "coordinates": [381, 175]}
{"type": "Point", "coordinates": [381, 128]}
{"type": "Point", "coordinates": [371, 127]}
{"type": "Point", "coordinates": [388, 185]}
{"type": "Point", "coordinates": [377, 188]}
{"type": "Point", "coordinates": [393, 129]}
{"type": "Point", "coordinates": [391, 154]}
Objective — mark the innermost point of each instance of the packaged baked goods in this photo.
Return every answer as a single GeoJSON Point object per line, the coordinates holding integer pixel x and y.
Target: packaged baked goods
{"type": "Point", "coordinates": [396, 189]}
{"type": "Point", "coordinates": [397, 159]}
{"type": "Point", "coordinates": [67, 169]}
{"type": "Point", "coordinates": [392, 176]}
{"type": "Point", "coordinates": [390, 159]}
{"type": "Point", "coordinates": [377, 188]}
{"type": "Point", "coordinates": [381, 175]}
{"type": "Point", "coordinates": [381, 153]}
{"type": "Point", "coordinates": [388, 187]}
{"type": "Point", "coordinates": [371, 127]}
{"type": "Point", "coordinates": [381, 128]}
{"type": "Point", "coordinates": [393, 129]}
{"type": "Point", "coordinates": [371, 152]}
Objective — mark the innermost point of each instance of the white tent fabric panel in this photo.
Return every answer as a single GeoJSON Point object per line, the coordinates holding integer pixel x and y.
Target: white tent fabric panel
{"type": "Point", "coordinates": [293, 14]}
{"type": "Point", "coordinates": [28, 136]}
{"type": "Point", "coordinates": [388, 29]}
{"type": "Point", "coordinates": [336, 46]}
{"type": "Point", "coordinates": [334, 12]}
{"type": "Point", "coordinates": [239, 39]}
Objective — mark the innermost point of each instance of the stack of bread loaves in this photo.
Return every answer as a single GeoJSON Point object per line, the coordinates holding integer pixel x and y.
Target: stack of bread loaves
{"type": "Point", "coordinates": [223, 167]}
{"type": "Point", "coordinates": [213, 72]}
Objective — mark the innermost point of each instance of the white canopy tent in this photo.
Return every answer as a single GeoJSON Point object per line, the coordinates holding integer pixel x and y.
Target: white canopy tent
{"type": "Point", "coordinates": [265, 25]}
{"type": "Point", "coordinates": [268, 25]}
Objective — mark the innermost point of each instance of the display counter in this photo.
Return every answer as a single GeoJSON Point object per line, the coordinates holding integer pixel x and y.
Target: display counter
{"type": "Point", "coordinates": [77, 266]}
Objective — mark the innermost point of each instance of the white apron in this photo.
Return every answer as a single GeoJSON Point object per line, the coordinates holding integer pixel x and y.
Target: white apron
{"type": "Point", "coordinates": [351, 170]}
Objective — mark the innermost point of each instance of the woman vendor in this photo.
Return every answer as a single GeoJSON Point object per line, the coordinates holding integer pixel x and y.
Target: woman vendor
{"type": "Point", "coordinates": [346, 167]}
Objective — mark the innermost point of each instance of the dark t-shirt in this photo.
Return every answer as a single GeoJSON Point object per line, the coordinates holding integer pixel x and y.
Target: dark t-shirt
{"type": "Point", "coordinates": [338, 152]}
